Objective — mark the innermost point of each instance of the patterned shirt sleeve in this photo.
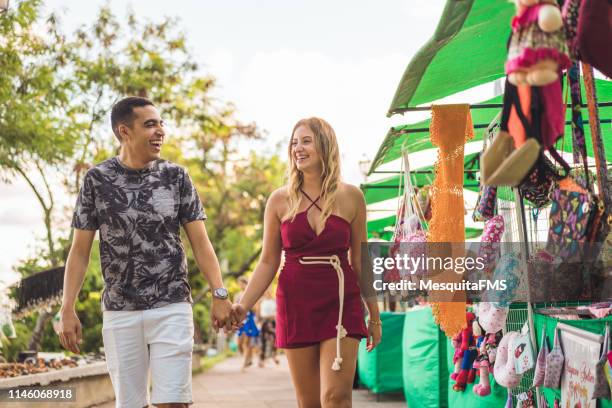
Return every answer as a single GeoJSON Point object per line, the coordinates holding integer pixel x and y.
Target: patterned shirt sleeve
{"type": "Point", "coordinates": [85, 216]}
{"type": "Point", "coordinates": [190, 207]}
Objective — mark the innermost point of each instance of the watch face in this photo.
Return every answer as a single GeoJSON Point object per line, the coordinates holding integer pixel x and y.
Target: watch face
{"type": "Point", "coordinates": [221, 293]}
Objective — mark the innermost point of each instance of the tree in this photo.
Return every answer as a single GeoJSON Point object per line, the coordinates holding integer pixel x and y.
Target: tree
{"type": "Point", "coordinates": [75, 79]}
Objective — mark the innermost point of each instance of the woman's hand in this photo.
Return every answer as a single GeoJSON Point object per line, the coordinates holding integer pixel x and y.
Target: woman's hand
{"type": "Point", "coordinates": [238, 315]}
{"type": "Point", "coordinates": [374, 334]}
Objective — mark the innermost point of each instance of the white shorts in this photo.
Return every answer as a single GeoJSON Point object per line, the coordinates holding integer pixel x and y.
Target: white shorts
{"type": "Point", "coordinates": [159, 340]}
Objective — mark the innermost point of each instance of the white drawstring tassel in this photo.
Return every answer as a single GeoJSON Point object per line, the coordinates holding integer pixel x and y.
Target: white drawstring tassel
{"type": "Point", "coordinates": [341, 333]}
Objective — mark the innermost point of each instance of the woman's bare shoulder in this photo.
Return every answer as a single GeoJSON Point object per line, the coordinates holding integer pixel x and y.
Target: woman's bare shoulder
{"type": "Point", "coordinates": [349, 201]}
{"type": "Point", "coordinates": [278, 201]}
{"type": "Point", "coordinates": [350, 192]}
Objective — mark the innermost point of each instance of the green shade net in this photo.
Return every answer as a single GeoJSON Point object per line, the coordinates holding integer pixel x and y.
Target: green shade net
{"type": "Point", "coordinates": [467, 49]}
{"type": "Point", "coordinates": [541, 322]}
{"type": "Point", "coordinates": [389, 188]}
{"type": "Point", "coordinates": [415, 141]}
{"type": "Point", "coordinates": [428, 363]}
{"type": "Point", "coordinates": [381, 369]}
{"type": "Point", "coordinates": [381, 228]}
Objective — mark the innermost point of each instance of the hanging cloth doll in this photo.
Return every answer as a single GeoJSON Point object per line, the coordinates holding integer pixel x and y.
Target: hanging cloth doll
{"type": "Point", "coordinates": [533, 102]}
{"type": "Point", "coordinates": [537, 50]}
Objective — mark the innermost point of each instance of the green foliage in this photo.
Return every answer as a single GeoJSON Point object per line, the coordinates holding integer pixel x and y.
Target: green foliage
{"type": "Point", "coordinates": [55, 93]}
{"type": "Point", "coordinates": [36, 124]}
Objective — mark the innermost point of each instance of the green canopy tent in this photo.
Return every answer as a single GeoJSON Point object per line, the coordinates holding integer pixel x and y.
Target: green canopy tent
{"type": "Point", "coordinates": [392, 187]}
{"type": "Point", "coordinates": [415, 137]}
{"type": "Point", "coordinates": [467, 49]}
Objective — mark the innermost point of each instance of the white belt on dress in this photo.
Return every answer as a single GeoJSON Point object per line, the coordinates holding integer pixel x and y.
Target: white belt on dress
{"type": "Point", "coordinates": [334, 261]}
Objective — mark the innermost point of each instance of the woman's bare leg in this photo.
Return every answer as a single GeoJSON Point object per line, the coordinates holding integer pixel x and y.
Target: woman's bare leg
{"type": "Point", "coordinates": [304, 367]}
{"type": "Point", "coordinates": [337, 386]}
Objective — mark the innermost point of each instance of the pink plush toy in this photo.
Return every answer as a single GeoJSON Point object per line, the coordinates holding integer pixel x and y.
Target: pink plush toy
{"type": "Point", "coordinates": [538, 50]}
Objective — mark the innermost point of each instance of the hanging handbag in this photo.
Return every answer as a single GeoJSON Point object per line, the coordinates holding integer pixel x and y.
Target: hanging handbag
{"type": "Point", "coordinates": [409, 237]}
{"type": "Point", "coordinates": [490, 242]}
{"type": "Point", "coordinates": [593, 28]}
{"type": "Point", "coordinates": [536, 187]}
{"type": "Point", "coordinates": [587, 25]}
{"type": "Point", "coordinates": [554, 364]}
{"type": "Point", "coordinates": [602, 387]}
{"type": "Point", "coordinates": [569, 218]}
{"type": "Point", "coordinates": [485, 205]}
{"type": "Point", "coordinates": [540, 368]}
{"type": "Point", "coordinates": [523, 351]}
{"type": "Point", "coordinates": [487, 195]}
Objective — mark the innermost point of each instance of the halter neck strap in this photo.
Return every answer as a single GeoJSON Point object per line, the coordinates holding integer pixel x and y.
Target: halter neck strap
{"type": "Point", "coordinates": [312, 202]}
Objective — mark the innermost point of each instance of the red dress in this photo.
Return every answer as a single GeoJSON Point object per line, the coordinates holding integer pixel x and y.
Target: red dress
{"type": "Point", "coordinates": [309, 286]}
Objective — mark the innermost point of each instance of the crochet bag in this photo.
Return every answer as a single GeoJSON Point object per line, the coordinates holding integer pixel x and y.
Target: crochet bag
{"type": "Point", "coordinates": [554, 364]}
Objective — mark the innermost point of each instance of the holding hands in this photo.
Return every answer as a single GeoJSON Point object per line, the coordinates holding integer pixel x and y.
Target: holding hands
{"type": "Point", "coordinates": [239, 313]}
{"type": "Point", "coordinates": [227, 316]}
{"type": "Point", "coordinates": [221, 314]}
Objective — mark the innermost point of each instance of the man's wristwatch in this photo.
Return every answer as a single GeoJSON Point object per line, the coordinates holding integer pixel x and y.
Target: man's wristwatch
{"type": "Point", "coordinates": [220, 293]}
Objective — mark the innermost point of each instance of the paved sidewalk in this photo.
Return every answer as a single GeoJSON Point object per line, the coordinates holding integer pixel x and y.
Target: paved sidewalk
{"type": "Point", "coordinates": [224, 386]}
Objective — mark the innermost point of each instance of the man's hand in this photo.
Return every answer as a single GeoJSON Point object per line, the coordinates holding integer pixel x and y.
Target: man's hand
{"type": "Point", "coordinates": [70, 330]}
{"type": "Point", "coordinates": [221, 310]}
{"type": "Point", "coordinates": [239, 313]}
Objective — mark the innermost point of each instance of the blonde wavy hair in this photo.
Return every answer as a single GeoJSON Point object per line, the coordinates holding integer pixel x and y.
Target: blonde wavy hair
{"type": "Point", "coordinates": [327, 148]}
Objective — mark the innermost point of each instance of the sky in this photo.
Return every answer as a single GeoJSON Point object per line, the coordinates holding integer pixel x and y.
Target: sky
{"type": "Point", "coordinates": [277, 61]}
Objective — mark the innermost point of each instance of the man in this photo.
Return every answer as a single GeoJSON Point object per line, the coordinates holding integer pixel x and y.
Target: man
{"type": "Point", "coordinates": [138, 202]}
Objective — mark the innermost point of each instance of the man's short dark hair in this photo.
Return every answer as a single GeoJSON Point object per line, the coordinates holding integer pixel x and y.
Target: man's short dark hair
{"type": "Point", "coordinates": [123, 112]}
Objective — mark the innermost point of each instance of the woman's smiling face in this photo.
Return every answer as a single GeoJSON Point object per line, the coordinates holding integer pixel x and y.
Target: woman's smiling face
{"type": "Point", "coordinates": [303, 150]}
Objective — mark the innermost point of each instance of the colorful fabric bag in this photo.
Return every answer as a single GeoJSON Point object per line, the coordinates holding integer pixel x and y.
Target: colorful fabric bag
{"type": "Point", "coordinates": [569, 220]}
{"type": "Point", "coordinates": [485, 205]}
{"type": "Point", "coordinates": [602, 387]}
{"type": "Point", "coordinates": [554, 364]}
{"type": "Point", "coordinates": [523, 352]}
{"type": "Point", "coordinates": [540, 368]}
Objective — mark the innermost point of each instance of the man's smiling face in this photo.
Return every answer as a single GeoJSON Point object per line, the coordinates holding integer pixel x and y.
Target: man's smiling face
{"type": "Point", "coordinates": [145, 137]}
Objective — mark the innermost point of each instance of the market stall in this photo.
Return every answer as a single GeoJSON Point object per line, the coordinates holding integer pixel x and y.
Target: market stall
{"type": "Point", "coordinates": [543, 182]}
{"type": "Point", "coordinates": [381, 369]}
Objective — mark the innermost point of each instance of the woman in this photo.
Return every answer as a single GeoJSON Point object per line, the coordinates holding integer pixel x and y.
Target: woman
{"type": "Point", "coordinates": [318, 222]}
